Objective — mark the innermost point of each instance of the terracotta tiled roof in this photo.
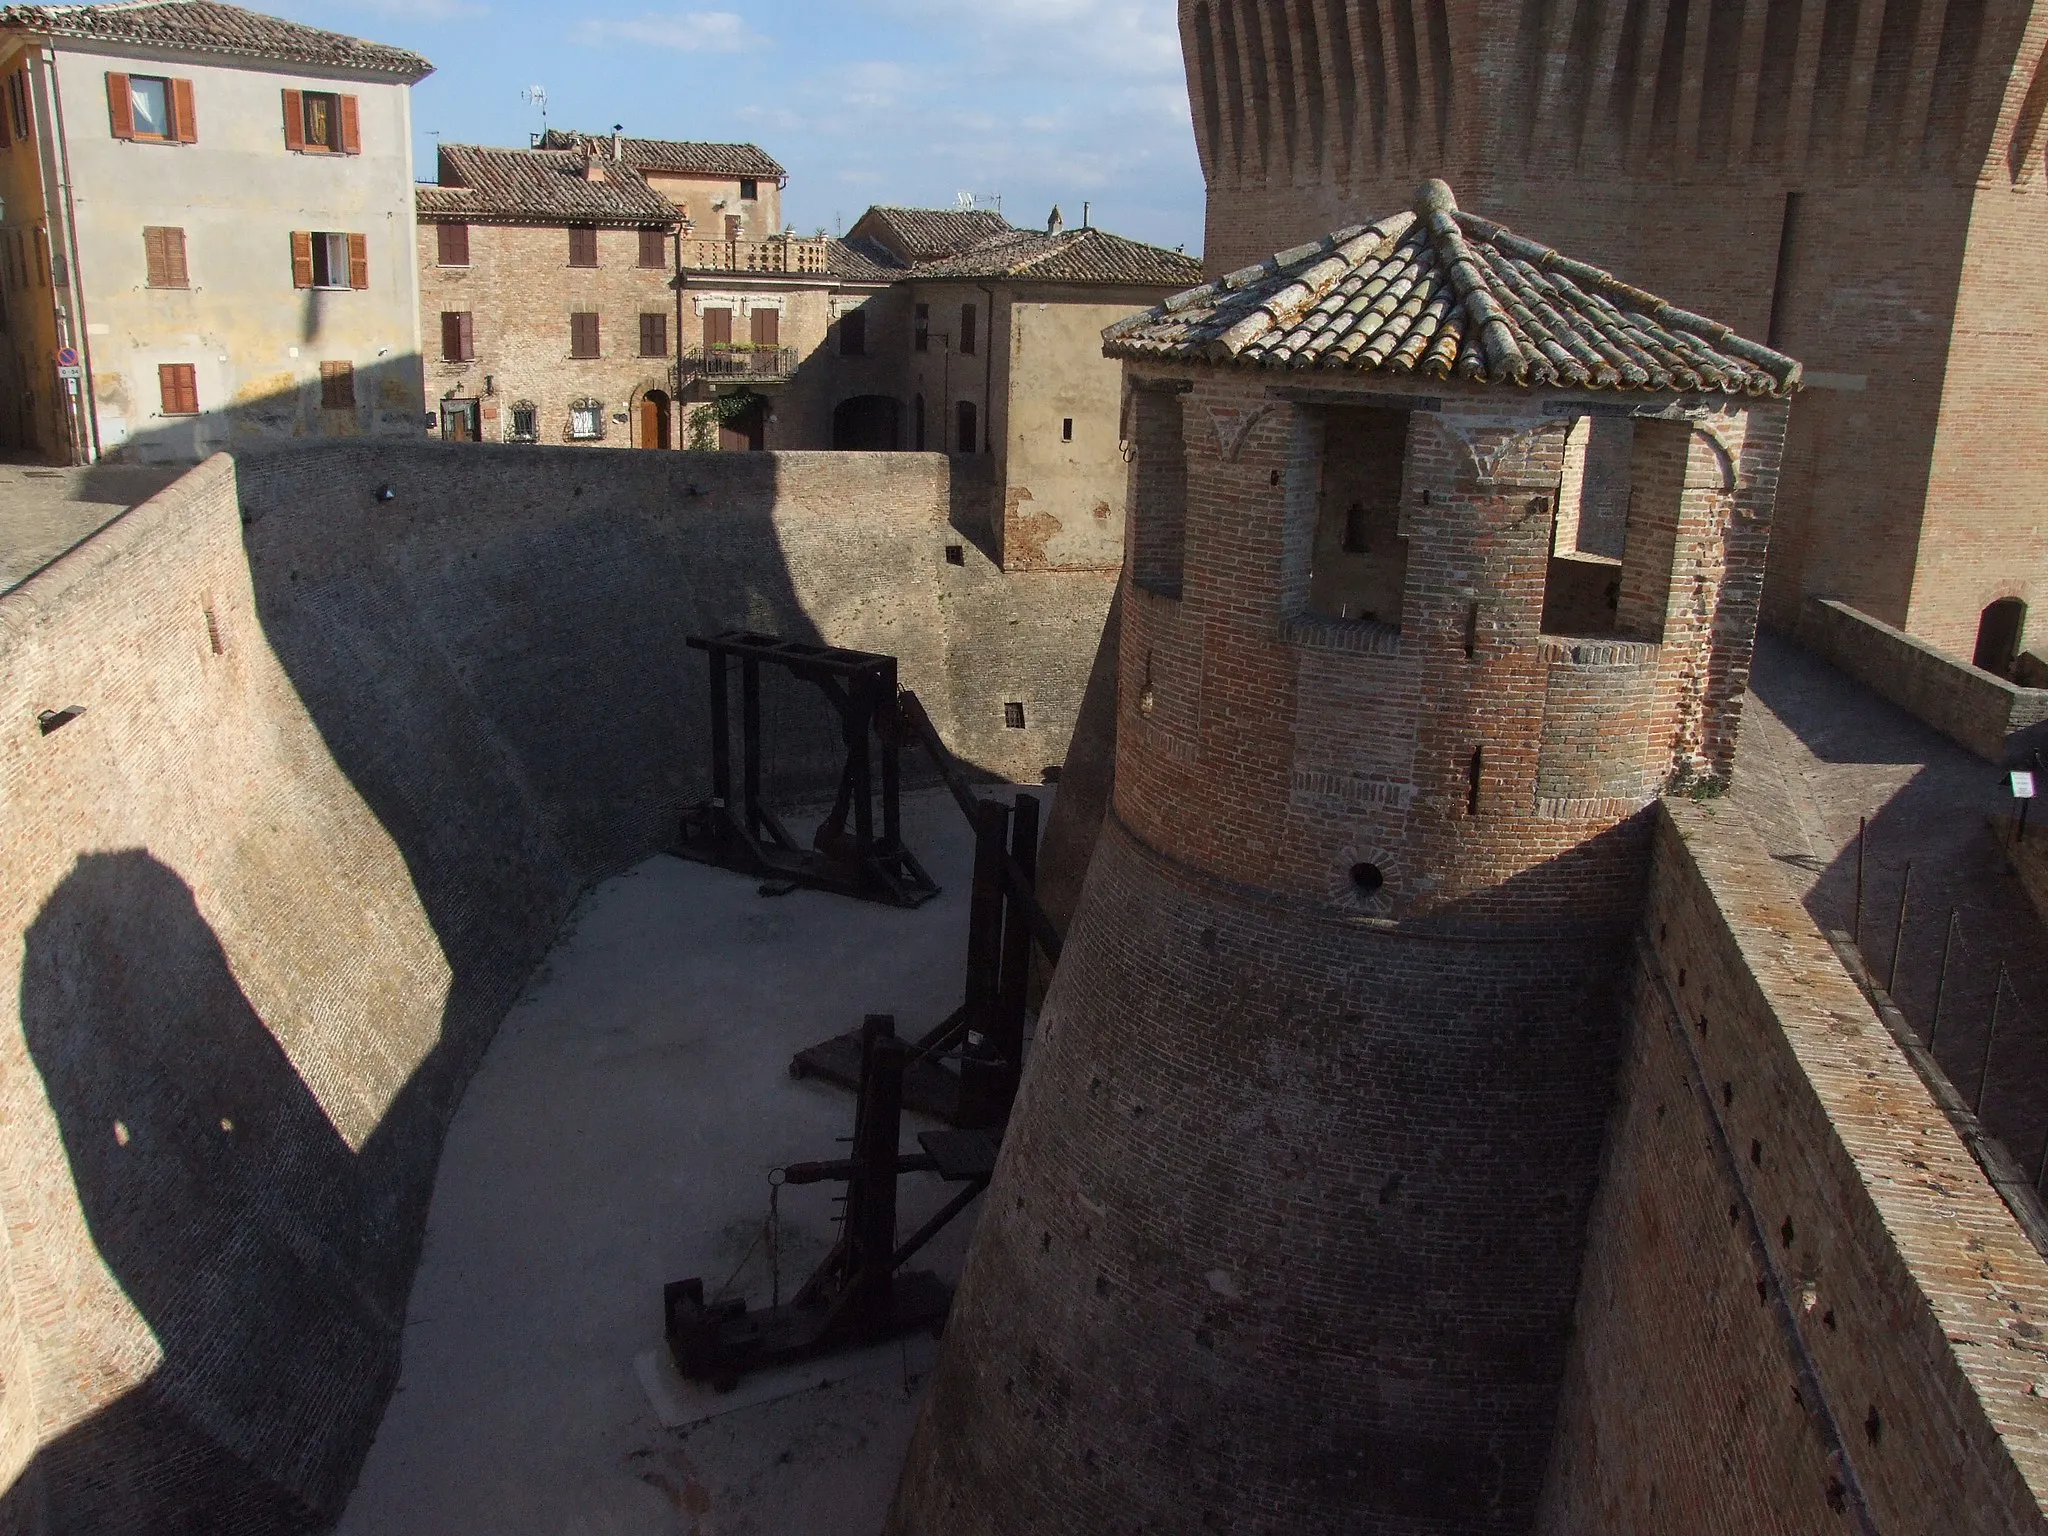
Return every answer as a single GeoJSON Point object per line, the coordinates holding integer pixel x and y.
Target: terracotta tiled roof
{"type": "Point", "coordinates": [735, 160]}
{"type": "Point", "coordinates": [924, 234]}
{"type": "Point", "coordinates": [1446, 294]}
{"type": "Point", "coordinates": [538, 186]}
{"type": "Point", "coordinates": [207, 26]}
{"type": "Point", "coordinates": [860, 260]}
{"type": "Point", "coordinates": [1073, 256]}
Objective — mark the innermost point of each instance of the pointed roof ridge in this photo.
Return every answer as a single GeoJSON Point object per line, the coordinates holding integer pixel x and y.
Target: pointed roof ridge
{"type": "Point", "coordinates": [213, 26]}
{"type": "Point", "coordinates": [1440, 292]}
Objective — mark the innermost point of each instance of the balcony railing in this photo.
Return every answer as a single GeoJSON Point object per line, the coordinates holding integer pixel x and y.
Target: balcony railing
{"type": "Point", "coordinates": [778, 253]}
{"type": "Point", "coordinates": [740, 362]}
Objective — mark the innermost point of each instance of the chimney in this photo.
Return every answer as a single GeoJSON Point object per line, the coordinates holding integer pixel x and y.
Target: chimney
{"type": "Point", "coordinates": [618, 142]}
{"type": "Point", "coordinates": [593, 165]}
{"type": "Point", "coordinates": [1056, 223]}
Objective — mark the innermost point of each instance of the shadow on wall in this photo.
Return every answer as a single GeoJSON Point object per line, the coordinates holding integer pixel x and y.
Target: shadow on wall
{"type": "Point", "coordinates": [491, 646]}
{"type": "Point", "coordinates": [384, 399]}
{"type": "Point", "coordinates": [224, 1203]}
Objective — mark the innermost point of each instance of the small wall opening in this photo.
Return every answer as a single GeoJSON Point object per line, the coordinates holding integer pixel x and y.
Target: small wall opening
{"type": "Point", "coordinates": [1367, 879]}
{"type": "Point", "coordinates": [1359, 561]}
{"type": "Point", "coordinates": [1582, 590]}
{"type": "Point", "coordinates": [1158, 514]}
{"type": "Point", "coordinates": [865, 424]}
{"type": "Point", "coordinates": [2001, 629]}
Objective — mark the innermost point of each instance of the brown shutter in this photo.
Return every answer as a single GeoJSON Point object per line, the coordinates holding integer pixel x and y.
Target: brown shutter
{"type": "Point", "coordinates": [359, 261]}
{"type": "Point", "coordinates": [295, 121]}
{"type": "Point", "coordinates": [175, 273]}
{"type": "Point", "coordinates": [184, 117]}
{"type": "Point", "coordinates": [767, 327]}
{"type": "Point", "coordinates": [6, 112]}
{"type": "Point", "coordinates": [454, 242]}
{"type": "Point", "coordinates": [468, 337]}
{"type": "Point", "coordinates": [302, 258]}
{"type": "Point", "coordinates": [451, 336]}
{"type": "Point", "coordinates": [178, 384]}
{"type": "Point", "coordinates": [120, 107]}
{"type": "Point", "coordinates": [153, 258]}
{"type": "Point", "coordinates": [351, 127]}
{"type": "Point", "coordinates": [717, 327]}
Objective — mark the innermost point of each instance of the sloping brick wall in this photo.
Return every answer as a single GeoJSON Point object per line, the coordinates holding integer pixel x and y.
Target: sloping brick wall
{"type": "Point", "coordinates": [344, 763]}
{"type": "Point", "coordinates": [1803, 1307]}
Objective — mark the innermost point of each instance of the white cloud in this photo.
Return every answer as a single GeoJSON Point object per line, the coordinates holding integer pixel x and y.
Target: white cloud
{"type": "Point", "coordinates": [425, 10]}
{"type": "Point", "coordinates": [683, 31]}
{"type": "Point", "coordinates": [1125, 38]}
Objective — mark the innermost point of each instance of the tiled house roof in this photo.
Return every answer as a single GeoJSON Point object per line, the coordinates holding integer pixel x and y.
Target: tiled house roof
{"type": "Point", "coordinates": [925, 234]}
{"type": "Point", "coordinates": [207, 26]}
{"type": "Point", "coordinates": [1073, 256]}
{"type": "Point", "coordinates": [1446, 294]}
{"type": "Point", "coordinates": [538, 186]}
{"type": "Point", "coordinates": [688, 159]}
{"type": "Point", "coordinates": [860, 260]}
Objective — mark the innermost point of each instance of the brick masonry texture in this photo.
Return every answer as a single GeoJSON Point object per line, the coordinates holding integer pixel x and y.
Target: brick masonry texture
{"type": "Point", "coordinates": [343, 766]}
{"type": "Point", "coordinates": [1978, 709]}
{"type": "Point", "coordinates": [1803, 1308]}
{"type": "Point", "coordinates": [1288, 1223]}
{"type": "Point", "coordinates": [1859, 185]}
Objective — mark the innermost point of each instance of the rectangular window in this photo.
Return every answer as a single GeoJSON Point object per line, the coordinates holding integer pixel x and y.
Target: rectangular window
{"type": "Point", "coordinates": [853, 333]}
{"type": "Point", "coordinates": [966, 431]}
{"type": "Point", "coordinates": [967, 337]}
{"type": "Point", "coordinates": [337, 386]}
{"type": "Point", "coordinates": [1013, 716]}
{"type": "Point", "coordinates": [921, 334]}
{"type": "Point", "coordinates": [717, 327]}
{"type": "Point", "coordinates": [453, 243]}
{"type": "Point", "coordinates": [582, 245]}
{"type": "Point", "coordinates": [1159, 492]}
{"type": "Point", "coordinates": [653, 250]}
{"type": "Point", "coordinates": [586, 421]}
{"type": "Point", "coordinates": [765, 327]}
{"type": "Point", "coordinates": [151, 108]}
{"type": "Point", "coordinates": [1067, 429]}
{"type": "Point", "coordinates": [525, 424]}
{"type": "Point", "coordinates": [322, 123]}
{"type": "Point", "coordinates": [163, 252]}
{"type": "Point", "coordinates": [325, 258]}
{"type": "Point", "coordinates": [458, 336]}
{"type": "Point", "coordinates": [583, 333]}
{"type": "Point", "coordinates": [1359, 562]}
{"type": "Point", "coordinates": [654, 335]}
{"type": "Point", "coordinates": [178, 383]}
{"type": "Point", "coordinates": [750, 189]}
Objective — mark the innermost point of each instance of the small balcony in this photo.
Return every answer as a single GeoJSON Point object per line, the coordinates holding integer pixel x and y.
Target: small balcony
{"type": "Point", "coordinates": [740, 361]}
{"type": "Point", "coordinates": [779, 253]}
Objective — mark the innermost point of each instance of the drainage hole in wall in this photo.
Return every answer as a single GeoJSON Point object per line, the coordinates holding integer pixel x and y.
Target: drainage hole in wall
{"type": "Point", "coordinates": [1727, 1095]}
{"type": "Point", "coordinates": [1827, 1319]}
{"type": "Point", "coordinates": [1756, 1153]}
{"type": "Point", "coordinates": [1874, 1426]}
{"type": "Point", "coordinates": [956, 554]}
{"type": "Point", "coordinates": [1785, 1232]}
{"type": "Point", "coordinates": [56, 719]}
{"type": "Point", "coordinates": [1013, 716]}
{"type": "Point", "coordinates": [1366, 879]}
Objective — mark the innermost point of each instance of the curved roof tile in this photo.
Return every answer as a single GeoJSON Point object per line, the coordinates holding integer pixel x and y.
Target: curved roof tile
{"type": "Point", "coordinates": [1445, 294]}
{"type": "Point", "coordinates": [208, 26]}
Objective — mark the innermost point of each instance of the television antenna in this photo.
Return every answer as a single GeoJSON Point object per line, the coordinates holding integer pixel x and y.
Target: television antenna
{"type": "Point", "coordinates": [537, 96]}
{"type": "Point", "coordinates": [964, 201]}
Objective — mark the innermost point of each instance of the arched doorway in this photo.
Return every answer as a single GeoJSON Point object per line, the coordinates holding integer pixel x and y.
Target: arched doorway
{"type": "Point", "coordinates": [654, 419]}
{"type": "Point", "coordinates": [1999, 632]}
{"type": "Point", "coordinates": [865, 424]}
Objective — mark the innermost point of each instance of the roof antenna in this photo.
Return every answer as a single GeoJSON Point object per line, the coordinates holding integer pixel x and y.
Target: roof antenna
{"type": "Point", "coordinates": [537, 96]}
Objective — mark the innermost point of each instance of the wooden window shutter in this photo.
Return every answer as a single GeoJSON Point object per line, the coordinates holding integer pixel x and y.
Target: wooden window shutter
{"type": "Point", "coordinates": [175, 274]}
{"type": "Point", "coordinates": [454, 244]}
{"type": "Point", "coordinates": [767, 327]}
{"type": "Point", "coordinates": [302, 258]}
{"type": "Point", "coordinates": [717, 327]}
{"type": "Point", "coordinates": [351, 127]}
{"type": "Point", "coordinates": [153, 258]}
{"type": "Point", "coordinates": [184, 116]}
{"type": "Point", "coordinates": [583, 339]}
{"type": "Point", "coordinates": [178, 384]}
{"type": "Point", "coordinates": [451, 336]}
{"type": "Point", "coordinates": [359, 261]}
{"type": "Point", "coordinates": [468, 337]}
{"type": "Point", "coordinates": [295, 121]}
{"type": "Point", "coordinates": [7, 112]}
{"type": "Point", "coordinates": [120, 106]}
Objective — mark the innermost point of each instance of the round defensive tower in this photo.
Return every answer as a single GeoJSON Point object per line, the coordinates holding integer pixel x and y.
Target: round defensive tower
{"type": "Point", "coordinates": [1286, 1231]}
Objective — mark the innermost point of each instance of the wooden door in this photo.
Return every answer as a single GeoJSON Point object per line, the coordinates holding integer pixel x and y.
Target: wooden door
{"type": "Point", "coordinates": [654, 419]}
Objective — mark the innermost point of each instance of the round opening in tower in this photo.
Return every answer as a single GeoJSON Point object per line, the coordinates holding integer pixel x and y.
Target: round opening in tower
{"type": "Point", "coordinates": [1366, 879]}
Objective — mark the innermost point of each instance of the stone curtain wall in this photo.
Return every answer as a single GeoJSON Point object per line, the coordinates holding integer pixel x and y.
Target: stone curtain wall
{"type": "Point", "coordinates": [343, 767]}
{"type": "Point", "coordinates": [1803, 1307]}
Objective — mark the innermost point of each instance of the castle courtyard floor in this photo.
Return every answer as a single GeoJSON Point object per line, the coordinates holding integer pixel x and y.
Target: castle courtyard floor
{"type": "Point", "coordinates": [618, 1136]}
{"type": "Point", "coordinates": [45, 509]}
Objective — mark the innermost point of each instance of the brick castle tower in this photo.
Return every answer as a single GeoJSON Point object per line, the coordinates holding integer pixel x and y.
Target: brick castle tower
{"type": "Point", "coordinates": [1287, 1227]}
{"type": "Point", "coordinates": [1861, 184]}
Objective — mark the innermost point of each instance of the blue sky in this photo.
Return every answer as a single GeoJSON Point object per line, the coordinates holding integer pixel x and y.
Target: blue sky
{"type": "Point", "coordinates": [865, 101]}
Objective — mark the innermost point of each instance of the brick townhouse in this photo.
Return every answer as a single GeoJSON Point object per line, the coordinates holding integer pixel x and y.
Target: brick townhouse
{"type": "Point", "coordinates": [205, 231]}
{"type": "Point", "coordinates": [627, 292]}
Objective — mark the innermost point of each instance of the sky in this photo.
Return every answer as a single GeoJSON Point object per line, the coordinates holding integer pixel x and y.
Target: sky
{"type": "Point", "coordinates": [863, 101]}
